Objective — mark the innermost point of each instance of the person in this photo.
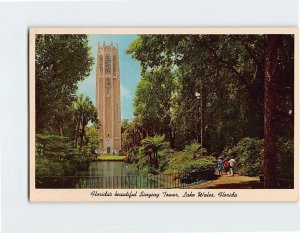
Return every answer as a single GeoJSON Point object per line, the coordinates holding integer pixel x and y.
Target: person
{"type": "Point", "coordinates": [232, 163]}
{"type": "Point", "coordinates": [226, 165]}
{"type": "Point", "coordinates": [220, 166]}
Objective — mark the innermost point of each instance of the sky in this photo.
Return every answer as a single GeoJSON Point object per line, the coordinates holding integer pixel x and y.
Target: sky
{"type": "Point", "coordinates": [130, 71]}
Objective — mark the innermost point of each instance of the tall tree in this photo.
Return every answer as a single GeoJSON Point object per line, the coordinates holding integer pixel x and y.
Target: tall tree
{"type": "Point", "coordinates": [226, 70]}
{"type": "Point", "coordinates": [153, 101]}
{"type": "Point", "coordinates": [61, 61]}
{"type": "Point", "coordinates": [270, 112]}
{"type": "Point", "coordinates": [132, 135]}
{"type": "Point", "coordinates": [84, 112]}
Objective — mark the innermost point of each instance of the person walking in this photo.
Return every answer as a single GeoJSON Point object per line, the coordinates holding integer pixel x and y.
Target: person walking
{"type": "Point", "coordinates": [232, 163]}
{"type": "Point", "coordinates": [220, 166]}
{"type": "Point", "coordinates": [226, 166]}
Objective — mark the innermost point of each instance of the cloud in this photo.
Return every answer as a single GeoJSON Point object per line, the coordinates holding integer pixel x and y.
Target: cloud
{"type": "Point", "coordinates": [125, 92]}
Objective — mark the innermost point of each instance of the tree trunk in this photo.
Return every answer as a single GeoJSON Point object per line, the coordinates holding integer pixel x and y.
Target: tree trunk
{"type": "Point", "coordinates": [61, 131]}
{"type": "Point", "coordinates": [270, 104]}
{"type": "Point", "coordinates": [203, 108]}
{"type": "Point", "coordinates": [156, 160]}
{"type": "Point", "coordinates": [81, 138]}
{"type": "Point", "coordinates": [77, 132]}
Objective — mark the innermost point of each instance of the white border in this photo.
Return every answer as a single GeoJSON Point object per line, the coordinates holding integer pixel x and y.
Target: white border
{"type": "Point", "coordinates": [18, 215]}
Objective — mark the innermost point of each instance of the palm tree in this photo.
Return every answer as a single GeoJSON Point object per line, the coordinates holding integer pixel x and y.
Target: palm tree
{"type": "Point", "coordinates": [84, 112]}
{"type": "Point", "coordinates": [89, 114]}
{"type": "Point", "coordinates": [77, 107]}
{"type": "Point", "coordinates": [195, 148]}
{"type": "Point", "coordinates": [153, 145]}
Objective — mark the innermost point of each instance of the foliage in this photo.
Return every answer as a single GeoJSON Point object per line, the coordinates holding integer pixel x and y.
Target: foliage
{"type": "Point", "coordinates": [231, 73]}
{"type": "Point", "coordinates": [155, 156]}
{"type": "Point", "coordinates": [197, 170]}
{"type": "Point", "coordinates": [56, 156]}
{"type": "Point", "coordinates": [248, 153]}
{"type": "Point", "coordinates": [228, 72]}
{"type": "Point", "coordinates": [132, 136]}
{"type": "Point", "coordinates": [47, 167]}
{"type": "Point", "coordinates": [84, 112]}
{"type": "Point", "coordinates": [153, 100]}
{"type": "Point", "coordinates": [60, 62]}
{"type": "Point", "coordinates": [195, 149]}
{"type": "Point", "coordinates": [55, 147]}
{"type": "Point", "coordinates": [91, 139]}
{"type": "Point", "coordinates": [152, 145]}
{"type": "Point", "coordinates": [285, 164]}
{"type": "Point", "coordinates": [189, 169]}
{"type": "Point", "coordinates": [152, 155]}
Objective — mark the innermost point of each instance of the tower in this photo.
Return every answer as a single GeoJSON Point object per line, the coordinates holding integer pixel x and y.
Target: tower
{"type": "Point", "coordinates": [108, 99]}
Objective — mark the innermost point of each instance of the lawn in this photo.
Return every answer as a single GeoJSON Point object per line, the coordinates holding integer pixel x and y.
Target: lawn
{"type": "Point", "coordinates": [110, 158]}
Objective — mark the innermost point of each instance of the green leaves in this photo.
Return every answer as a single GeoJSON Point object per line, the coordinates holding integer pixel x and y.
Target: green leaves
{"type": "Point", "coordinates": [154, 143]}
{"type": "Point", "coordinates": [248, 153]}
{"type": "Point", "coordinates": [228, 72]}
{"type": "Point", "coordinates": [188, 168]}
{"type": "Point", "coordinates": [61, 61]}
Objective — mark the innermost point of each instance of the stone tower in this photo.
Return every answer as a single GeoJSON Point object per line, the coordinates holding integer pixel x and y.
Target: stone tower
{"type": "Point", "coordinates": [108, 99]}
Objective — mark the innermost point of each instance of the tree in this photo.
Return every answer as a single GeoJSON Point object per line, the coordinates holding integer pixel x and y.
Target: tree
{"type": "Point", "coordinates": [245, 85]}
{"type": "Point", "coordinates": [227, 71]}
{"type": "Point", "coordinates": [60, 62]}
{"type": "Point", "coordinates": [132, 135]}
{"type": "Point", "coordinates": [271, 102]}
{"type": "Point", "coordinates": [91, 139]}
{"type": "Point", "coordinates": [84, 112]}
{"type": "Point", "coordinates": [195, 148]}
{"type": "Point", "coordinates": [152, 145]}
{"type": "Point", "coordinates": [153, 100]}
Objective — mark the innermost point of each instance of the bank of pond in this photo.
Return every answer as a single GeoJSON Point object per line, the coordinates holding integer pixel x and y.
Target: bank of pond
{"type": "Point", "coordinates": [166, 169]}
{"type": "Point", "coordinates": [112, 175]}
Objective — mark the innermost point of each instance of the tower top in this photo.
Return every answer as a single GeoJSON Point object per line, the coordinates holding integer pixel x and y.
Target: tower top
{"type": "Point", "coordinates": [112, 45]}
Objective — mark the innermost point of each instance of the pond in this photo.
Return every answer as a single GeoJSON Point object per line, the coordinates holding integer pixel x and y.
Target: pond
{"type": "Point", "coordinates": [110, 168]}
{"type": "Point", "coordinates": [110, 175]}
{"type": "Point", "coordinates": [121, 175]}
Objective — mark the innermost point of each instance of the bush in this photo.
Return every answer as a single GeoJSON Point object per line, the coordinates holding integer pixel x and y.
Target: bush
{"type": "Point", "coordinates": [248, 154]}
{"type": "Point", "coordinates": [195, 170]}
{"type": "Point", "coordinates": [46, 167]}
{"type": "Point", "coordinates": [190, 170]}
{"type": "Point", "coordinates": [56, 158]}
{"type": "Point", "coordinates": [286, 159]}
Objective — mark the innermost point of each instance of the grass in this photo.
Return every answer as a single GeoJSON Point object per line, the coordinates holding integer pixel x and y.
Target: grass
{"type": "Point", "coordinates": [111, 158]}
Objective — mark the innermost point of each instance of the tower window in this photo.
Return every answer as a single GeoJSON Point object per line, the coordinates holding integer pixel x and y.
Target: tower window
{"type": "Point", "coordinates": [101, 64]}
{"type": "Point", "coordinates": [114, 65]}
{"type": "Point", "coordinates": [107, 64]}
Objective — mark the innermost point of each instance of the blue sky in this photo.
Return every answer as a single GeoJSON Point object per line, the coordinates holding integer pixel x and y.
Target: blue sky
{"type": "Point", "coordinates": [130, 71]}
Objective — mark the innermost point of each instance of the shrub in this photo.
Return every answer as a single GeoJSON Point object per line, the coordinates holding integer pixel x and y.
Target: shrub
{"type": "Point", "coordinates": [190, 170]}
{"type": "Point", "coordinates": [195, 170]}
{"type": "Point", "coordinates": [163, 158]}
{"type": "Point", "coordinates": [248, 154]}
{"type": "Point", "coordinates": [46, 167]}
{"type": "Point", "coordinates": [286, 159]}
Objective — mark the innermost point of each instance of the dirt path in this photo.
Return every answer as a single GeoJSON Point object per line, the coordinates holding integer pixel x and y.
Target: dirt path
{"type": "Point", "coordinates": [231, 182]}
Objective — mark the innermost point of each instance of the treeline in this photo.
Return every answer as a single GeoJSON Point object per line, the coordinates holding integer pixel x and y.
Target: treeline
{"type": "Point", "coordinates": [215, 90]}
{"type": "Point", "coordinates": [64, 143]}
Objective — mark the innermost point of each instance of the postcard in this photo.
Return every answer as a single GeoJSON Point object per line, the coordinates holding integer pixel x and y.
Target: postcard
{"type": "Point", "coordinates": [163, 114]}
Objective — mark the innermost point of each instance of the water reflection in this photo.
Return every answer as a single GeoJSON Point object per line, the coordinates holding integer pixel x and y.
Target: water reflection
{"type": "Point", "coordinates": [110, 168]}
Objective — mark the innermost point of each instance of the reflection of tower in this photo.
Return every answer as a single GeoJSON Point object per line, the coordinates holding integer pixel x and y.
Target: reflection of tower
{"type": "Point", "coordinates": [108, 99]}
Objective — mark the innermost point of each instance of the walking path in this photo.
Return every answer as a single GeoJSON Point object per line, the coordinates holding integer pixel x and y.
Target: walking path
{"type": "Point", "coordinates": [231, 182]}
